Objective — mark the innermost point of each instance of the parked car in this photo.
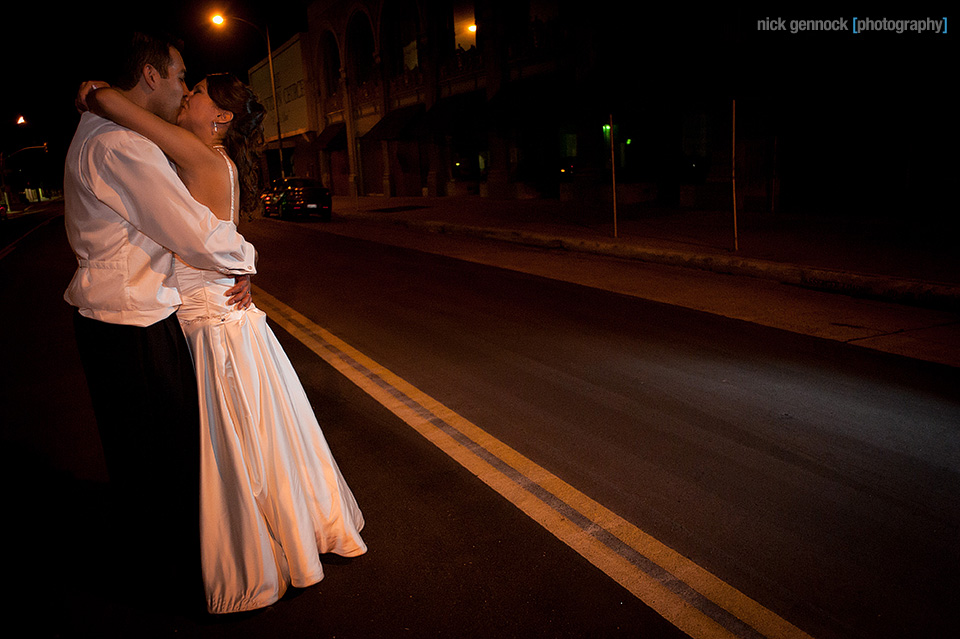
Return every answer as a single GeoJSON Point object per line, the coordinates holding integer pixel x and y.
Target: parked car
{"type": "Point", "coordinates": [295, 197]}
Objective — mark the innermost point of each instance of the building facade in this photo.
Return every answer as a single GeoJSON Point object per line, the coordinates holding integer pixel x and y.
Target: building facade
{"type": "Point", "coordinates": [541, 98]}
{"type": "Point", "coordinates": [447, 97]}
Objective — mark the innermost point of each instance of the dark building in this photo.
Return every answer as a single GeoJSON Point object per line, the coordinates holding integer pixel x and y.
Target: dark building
{"type": "Point", "coordinates": [514, 98]}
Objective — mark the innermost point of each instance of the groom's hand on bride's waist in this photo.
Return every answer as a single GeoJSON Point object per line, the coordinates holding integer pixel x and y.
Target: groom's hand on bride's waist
{"type": "Point", "coordinates": [240, 294]}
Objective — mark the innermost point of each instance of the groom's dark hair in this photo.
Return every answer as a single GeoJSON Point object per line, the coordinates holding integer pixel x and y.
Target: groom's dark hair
{"type": "Point", "coordinates": [143, 49]}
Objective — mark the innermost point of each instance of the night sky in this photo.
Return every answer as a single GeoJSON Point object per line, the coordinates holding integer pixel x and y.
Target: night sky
{"type": "Point", "coordinates": [50, 51]}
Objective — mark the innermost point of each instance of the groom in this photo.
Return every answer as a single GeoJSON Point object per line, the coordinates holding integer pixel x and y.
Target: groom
{"type": "Point", "coordinates": [126, 214]}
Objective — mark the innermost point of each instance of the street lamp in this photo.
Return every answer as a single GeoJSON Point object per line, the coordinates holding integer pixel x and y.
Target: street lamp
{"type": "Point", "coordinates": [21, 121]}
{"type": "Point", "coordinates": [220, 20]}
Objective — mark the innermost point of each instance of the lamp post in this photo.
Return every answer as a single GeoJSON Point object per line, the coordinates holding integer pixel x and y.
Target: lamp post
{"type": "Point", "coordinates": [219, 20]}
{"type": "Point", "coordinates": [21, 121]}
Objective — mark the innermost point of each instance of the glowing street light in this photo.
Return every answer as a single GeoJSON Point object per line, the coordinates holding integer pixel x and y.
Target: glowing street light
{"type": "Point", "coordinates": [220, 20]}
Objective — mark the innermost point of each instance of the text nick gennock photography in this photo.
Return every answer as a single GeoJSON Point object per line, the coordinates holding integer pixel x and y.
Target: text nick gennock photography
{"type": "Point", "coordinates": [856, 25]}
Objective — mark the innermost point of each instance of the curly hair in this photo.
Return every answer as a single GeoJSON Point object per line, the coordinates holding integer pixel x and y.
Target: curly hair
{"type": "Point", "coordinates": [244, 138]}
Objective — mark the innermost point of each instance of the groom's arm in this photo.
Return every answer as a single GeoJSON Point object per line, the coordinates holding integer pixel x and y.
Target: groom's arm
{"type": "Point", "coordinates": [135, 179]}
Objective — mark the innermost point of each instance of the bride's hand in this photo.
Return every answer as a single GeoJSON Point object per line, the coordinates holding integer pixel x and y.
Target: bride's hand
{"type": "Point", "coordinates": [85, 89]}
{"type": "Point", "coordinates": [240, 294]}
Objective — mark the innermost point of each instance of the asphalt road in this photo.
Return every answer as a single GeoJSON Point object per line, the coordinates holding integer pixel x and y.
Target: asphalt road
{"type": "Point", "coordinates": [817, 477]}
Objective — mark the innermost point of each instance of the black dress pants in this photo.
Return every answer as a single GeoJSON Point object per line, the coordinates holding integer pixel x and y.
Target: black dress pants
{"type": "Point", "coordinates": [144, 392]}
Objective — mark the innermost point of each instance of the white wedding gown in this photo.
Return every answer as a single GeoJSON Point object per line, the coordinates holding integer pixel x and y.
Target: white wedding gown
{"type": "Point", "coordinates": [271, 496]}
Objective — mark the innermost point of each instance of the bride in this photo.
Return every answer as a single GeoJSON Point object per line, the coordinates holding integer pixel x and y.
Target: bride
{"type": "Point", "coordinates": [271, 495]}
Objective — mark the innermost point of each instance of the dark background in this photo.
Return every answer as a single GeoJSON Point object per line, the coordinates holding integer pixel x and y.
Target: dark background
{"type": "Point", "coordinates": [847, 99]}
{"type": "Point", "coordinates": [50, 51]}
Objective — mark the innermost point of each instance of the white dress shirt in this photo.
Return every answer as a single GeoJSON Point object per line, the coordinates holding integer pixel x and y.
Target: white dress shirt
{"type": "Point", "coordinates": [127, 212]}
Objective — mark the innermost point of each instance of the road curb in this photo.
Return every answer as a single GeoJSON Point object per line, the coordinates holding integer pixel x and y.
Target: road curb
{"type": "Point", "coordinates": [893, 289]}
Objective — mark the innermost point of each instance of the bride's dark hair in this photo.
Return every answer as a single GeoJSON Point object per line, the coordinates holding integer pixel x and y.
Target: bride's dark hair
{"type": "Point", "coordinates": [244, 137]}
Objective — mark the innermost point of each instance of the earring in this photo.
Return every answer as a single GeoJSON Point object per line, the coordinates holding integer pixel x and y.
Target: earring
{"type": "Point", "coordinates": [216, 127]}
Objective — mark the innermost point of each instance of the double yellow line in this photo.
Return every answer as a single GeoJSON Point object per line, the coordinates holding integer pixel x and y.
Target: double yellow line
{"type": "Point", "coordinates": [688, 596]}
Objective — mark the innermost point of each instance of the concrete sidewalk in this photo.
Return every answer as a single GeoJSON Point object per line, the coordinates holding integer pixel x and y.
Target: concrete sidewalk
{"type": "Point", "coordinates": [866, 258]}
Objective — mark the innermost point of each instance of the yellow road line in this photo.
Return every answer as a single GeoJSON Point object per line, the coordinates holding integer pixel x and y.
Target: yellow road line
{"type": "Point", "coordinates": [691, 598]}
